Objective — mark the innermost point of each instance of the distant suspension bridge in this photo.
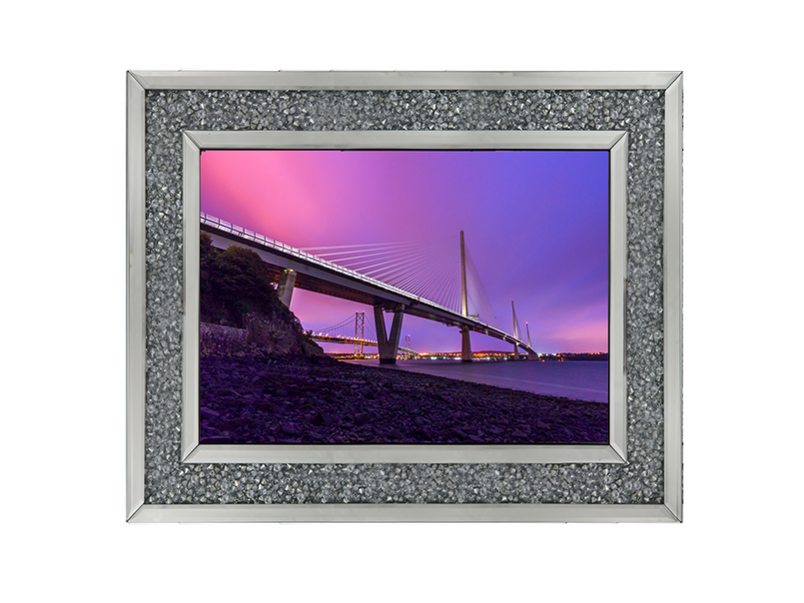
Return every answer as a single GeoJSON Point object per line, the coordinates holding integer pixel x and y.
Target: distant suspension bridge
{"type": "Point", "coordinates": [355, 330]}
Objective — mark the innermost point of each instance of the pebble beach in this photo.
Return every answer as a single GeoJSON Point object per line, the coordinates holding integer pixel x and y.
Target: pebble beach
{"type": "Point", "coordinates": [317, 400]}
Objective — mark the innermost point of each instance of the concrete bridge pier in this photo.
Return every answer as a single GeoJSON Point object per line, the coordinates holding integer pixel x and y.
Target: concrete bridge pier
{"type": "Point", "coordinates": [388, 345]}
{"type": "Point", "coordinates": [286, 283]}
{"type": "Point", "coordinates": [466, 345]}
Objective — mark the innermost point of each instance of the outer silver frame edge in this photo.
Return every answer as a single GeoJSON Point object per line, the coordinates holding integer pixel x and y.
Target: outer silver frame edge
{"type": "Point", "coordinates": [135, 295]}
{"type": "Point", "coordinates": [138, 512]}
{"type": "Point", "coordinates": [404, 513]}
{"type": "Point", "coordinates": [673, 358]}
{"type": "Point", "coordinates": [410, 80]}
{"type": "Point", "coordinates": [615, 142]}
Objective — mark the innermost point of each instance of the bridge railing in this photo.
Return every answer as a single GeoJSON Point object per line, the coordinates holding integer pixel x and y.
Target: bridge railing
{"type": "Point", "coordinates": [244, 233]}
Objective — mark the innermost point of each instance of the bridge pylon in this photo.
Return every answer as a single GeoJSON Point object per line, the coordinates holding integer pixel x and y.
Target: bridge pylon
{"type": "Point", "coordinates": [360, 328]}
{"type": "Point", "coordinates": [466, 342]}
{"type": "Point", "coordinates": [516, 331]}
{"type": "Point", "coordinates": [388, 343]}
{"type": "Point", "coordinates": [531, 354]}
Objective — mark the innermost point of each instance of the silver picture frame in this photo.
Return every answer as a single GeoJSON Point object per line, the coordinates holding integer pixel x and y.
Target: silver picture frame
{"type": "Point", "coordinates": [193, 141]}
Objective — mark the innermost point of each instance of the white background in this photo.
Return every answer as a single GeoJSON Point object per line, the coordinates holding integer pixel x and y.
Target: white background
{"type": "Point", "coordinates": [62, 302]}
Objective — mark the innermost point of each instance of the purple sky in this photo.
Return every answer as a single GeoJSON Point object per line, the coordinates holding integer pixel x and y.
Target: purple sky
{"type": "Point", "coordinates": [536, 225]}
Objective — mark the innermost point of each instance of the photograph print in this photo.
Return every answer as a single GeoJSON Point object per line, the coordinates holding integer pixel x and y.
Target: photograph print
{"type": "Point", "coordinates": [404, 297]}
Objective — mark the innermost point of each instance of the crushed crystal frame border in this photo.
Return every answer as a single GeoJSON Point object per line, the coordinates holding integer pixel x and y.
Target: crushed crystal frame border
{"type": "Point", "coordinates": [139, 511]}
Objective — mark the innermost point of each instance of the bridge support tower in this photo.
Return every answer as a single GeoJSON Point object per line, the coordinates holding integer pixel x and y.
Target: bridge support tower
{"type": "Point", "coordinates": [286, 283]}
{"type": "Point", "coordinates": [531, 355]}
{"type": "Point", "coordinates": [388, 344]}
{"type": "Point", "coordinates": [516, 331]}
{"type": "Point", "coordinates": [466, 342]}
{"type": "Point", "coordinates": [360, 331]}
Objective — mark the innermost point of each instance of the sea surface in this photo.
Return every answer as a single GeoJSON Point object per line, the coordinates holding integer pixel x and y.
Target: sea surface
{"type": "Point", "coordinates": [578, 380]}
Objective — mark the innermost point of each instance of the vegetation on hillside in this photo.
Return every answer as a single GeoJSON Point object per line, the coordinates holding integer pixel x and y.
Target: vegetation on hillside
{"type": "Point", "coordinates": [239, 296]}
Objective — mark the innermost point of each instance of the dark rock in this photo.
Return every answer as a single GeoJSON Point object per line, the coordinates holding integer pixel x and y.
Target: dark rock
{"type": "Point", "coordinates": [362, 418]}
{"type": "Point", "coordinates": [395, 434]}
{"type": "Point", "coordinates": [324, 418]}
{"type": "Point", "coordinates": [422, 434]}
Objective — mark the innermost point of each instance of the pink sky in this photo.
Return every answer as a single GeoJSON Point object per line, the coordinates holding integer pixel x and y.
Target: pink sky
{"type": "Point", "coordinates": [536, 224]}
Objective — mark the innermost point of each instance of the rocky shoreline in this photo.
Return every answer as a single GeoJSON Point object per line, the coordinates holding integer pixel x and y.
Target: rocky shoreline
{"type": "Point", "coordinates": [296, 399]}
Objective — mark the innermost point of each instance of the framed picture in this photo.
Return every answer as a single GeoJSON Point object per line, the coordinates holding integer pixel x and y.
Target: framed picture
{"type": "Point", "coordinates": [404, 297]}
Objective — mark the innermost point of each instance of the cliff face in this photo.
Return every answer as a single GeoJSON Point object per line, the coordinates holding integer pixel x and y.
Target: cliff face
{"type": "Point", "coordinates": [261, 337]}
{"type": "Point", "coordinates": [240, 309]}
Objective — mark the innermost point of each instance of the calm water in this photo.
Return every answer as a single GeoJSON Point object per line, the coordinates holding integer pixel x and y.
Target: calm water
{"type": "Point", "coordinates": [578, 380]}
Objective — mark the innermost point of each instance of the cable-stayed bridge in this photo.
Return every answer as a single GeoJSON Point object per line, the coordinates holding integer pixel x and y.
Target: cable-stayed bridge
{"type": "Point", "coordinates": [399, 278]}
